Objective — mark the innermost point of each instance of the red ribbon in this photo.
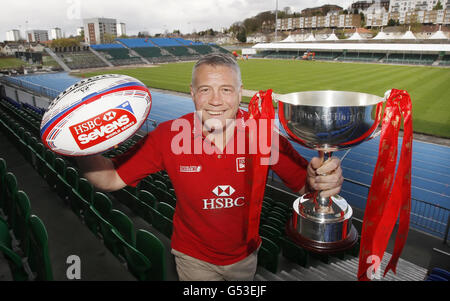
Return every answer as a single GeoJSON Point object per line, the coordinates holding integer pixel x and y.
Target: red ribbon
{"type": "Point", "coordinates": [388, 196]}
{"type": "Point", "coordinates": [260, 107]}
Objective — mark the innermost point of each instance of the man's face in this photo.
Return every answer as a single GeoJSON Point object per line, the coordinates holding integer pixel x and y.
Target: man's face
{"type": "Point", "coordinates": [217, 94]}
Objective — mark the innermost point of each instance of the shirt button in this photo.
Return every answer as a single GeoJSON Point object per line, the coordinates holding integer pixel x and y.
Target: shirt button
{"type": "Point", "coordinates": [219, 156]}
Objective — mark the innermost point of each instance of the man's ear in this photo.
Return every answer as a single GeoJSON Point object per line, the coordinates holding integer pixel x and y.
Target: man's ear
{"type": "Point", "coordinates": [192, 91]}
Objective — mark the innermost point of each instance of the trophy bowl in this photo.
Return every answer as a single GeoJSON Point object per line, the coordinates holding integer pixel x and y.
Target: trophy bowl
{"type": "Point", "coordinates": [327, 121]}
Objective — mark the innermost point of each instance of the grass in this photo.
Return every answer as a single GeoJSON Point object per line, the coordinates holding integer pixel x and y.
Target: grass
{"type": "Point", "coordinates": [11, 62]}
{"type": "Point", "coordinates": [428, 86]}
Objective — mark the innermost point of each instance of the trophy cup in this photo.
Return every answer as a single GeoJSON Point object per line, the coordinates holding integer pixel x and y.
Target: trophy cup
{"type": "Point", "coordinates": [327, 121]}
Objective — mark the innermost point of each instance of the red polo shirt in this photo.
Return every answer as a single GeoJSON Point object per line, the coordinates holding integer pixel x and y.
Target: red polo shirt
{"type": "Point", "coordinates": [210, 220]}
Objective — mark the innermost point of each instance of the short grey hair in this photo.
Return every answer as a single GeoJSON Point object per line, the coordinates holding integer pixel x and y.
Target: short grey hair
{"type": "Point", "coordinates": [218, 59]}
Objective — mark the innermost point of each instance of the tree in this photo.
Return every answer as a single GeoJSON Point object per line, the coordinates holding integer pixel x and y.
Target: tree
{"type": "Point", "coordinates": [438, 6]}
{"type": "Point", "coordinates": [391, 22]}
{"type": "Point", "coordinates": [108, 38]}
{"type": "Point", "coordinates": [242, 35]}
{"type": "Point", "coordinates": [65, 42]}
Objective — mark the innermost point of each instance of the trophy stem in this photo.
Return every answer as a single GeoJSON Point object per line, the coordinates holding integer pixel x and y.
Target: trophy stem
{"type": "Point", "coordinates": [318, 199]}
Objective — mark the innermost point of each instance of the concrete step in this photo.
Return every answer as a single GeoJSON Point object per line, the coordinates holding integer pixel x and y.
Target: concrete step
{"type": "Point", "coordinates": [287, 276]}
{"type": "Point", "coordinates": [262, 272]}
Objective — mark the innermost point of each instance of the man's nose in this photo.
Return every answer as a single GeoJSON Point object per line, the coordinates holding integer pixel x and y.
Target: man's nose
{"type": "Point", "coordinates": [216, 99]}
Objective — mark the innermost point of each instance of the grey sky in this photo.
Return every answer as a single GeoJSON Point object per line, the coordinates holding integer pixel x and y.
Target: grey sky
{"type": "Point", "coordinates": [153, 16]}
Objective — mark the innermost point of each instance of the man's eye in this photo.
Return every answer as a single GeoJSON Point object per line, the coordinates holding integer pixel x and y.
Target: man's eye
{"type": "Point", "coordinates": [204, 90]}
{"type": "Point", "coordinates": [227, 90]}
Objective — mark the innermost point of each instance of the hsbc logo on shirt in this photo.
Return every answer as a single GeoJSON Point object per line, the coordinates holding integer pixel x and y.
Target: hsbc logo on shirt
{"type": "Point", "coordinates": [223, 190]}
{"type": "Point", "coordinates": [224, 200]}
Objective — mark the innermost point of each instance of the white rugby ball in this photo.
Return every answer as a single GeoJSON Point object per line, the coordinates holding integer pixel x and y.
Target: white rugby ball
{"type": "Point", "coordinates": [95, 114]}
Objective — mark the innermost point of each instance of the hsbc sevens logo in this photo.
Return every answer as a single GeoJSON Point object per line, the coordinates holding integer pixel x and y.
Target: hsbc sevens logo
{"type": "Point", "coordinates": [223, 190]}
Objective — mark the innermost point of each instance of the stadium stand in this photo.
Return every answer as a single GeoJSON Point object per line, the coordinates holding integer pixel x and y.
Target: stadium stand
{"type": "Point", "coordinates": [411, 59]}
{"type": "Point", "coordinates": [326, 55]}
{"type": "Point", "coordinates": [78, 57]}
{"type": "Point", "coordinates": [117, 54]}
{"type": "Point", "coordinates": [361, 57]}
{"type": "Point", "coordinates": [154, 54]}
{"type": "Point", "coordinates": [445, 60]}
{"type": "Point", "coordinates": [158, 50]}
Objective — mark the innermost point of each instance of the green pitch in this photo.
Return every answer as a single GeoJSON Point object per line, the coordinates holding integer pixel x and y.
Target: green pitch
{"type": "Point", "coordinates": [429, 87]}
{"type": "Point", "coordinates": [10, 62]}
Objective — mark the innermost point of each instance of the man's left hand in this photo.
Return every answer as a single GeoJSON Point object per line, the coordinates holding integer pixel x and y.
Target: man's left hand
{"type": "Point", "coordinates": [325, 177]}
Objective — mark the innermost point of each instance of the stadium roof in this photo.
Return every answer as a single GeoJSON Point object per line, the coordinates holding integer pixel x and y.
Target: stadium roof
{"type": "Point", "coordinates": [438, 35]}
{"type": "Point", "coordinates": [332, 37]}
{"type": "Point", "coordinates": [381, 36]}
{"type": "Point", "coordinates": [408, 36]}
{"type": "Point", "coordinates": [355, 36]}
{"type": "Point", "coordinates": [310, 38]}
{"type": "Point", "coordinates": [288, 39]}
{"type": "Point", "coordinates": [364, 47]}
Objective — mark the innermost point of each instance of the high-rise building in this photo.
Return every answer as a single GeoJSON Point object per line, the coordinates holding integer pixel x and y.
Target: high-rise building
{"type": "Point", "coordinates": [121, 29]}
{"type": "Point", "coordinates": [13, 35]}
{"type": "Point", "coordinates": [56, 33]}
{"type": "Point", "coordinates": [36, 35]}
{"type": "Point", "coordinates": [403, 6]}
{"type": "Point", "coordinates": [97, 29]}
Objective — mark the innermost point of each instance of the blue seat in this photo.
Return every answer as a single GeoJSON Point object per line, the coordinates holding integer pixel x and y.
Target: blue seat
{"type": "Point", "coordinates": [441, 273]}
{"type": "Point", "coordinates": [433, 277]}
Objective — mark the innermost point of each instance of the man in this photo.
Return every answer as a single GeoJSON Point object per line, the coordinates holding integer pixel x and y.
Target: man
{"type": "Point", "coordinates": [199, 152]}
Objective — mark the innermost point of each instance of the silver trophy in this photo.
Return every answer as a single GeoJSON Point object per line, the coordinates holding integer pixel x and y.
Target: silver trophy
{"type": "Point", "coordinates": [327, 121]}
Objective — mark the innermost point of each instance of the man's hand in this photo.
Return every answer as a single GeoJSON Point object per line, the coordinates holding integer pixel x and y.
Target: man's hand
{"type": "Point", "coordinates": [325, 177]}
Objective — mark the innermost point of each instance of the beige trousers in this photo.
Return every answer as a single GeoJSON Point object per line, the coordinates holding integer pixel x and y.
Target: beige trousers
{"type": "Point", "coordinates": [192, 269]}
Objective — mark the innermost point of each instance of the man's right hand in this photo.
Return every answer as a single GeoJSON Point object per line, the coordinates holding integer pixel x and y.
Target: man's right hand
{"type": "Point", "coordinates": [100, 172]}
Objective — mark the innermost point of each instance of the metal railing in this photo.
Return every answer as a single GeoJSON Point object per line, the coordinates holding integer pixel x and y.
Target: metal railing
{"type": "Point", "coordinates": [41, 90]}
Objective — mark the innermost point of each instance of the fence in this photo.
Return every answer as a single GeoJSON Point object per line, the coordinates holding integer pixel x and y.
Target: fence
{"type": "Point", "coordinates": [39, 89]}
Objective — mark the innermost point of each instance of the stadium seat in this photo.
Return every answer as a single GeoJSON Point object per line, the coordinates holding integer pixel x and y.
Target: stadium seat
{"type": "Point", "coordinates": [2, 182]}
{"type": "Point", "coordinates": [146, 206]}
{"type": "Point", "coordinates": [434, 277]}
{"type": "Point", "coordinates": [154, 250]}
{"type": "Point", "coordinates": [165, 209]}
{"type": "Point", "coordinates": [268, 255]}
{"type": "Point", "coordinates": [102, 204]}
{"type": "Point", "coordinates": [22, 212]}
{"type": "Point", "coordinates": [50, 173]}
{"type": "Point", "coordinates": [123, 225]}
{"type": "Point", "coordinates": [38, 254]}
{"type": "Point", "coordinates": [101, 207]}
{"type": "Point", "coordinates": [293, 252]}
{"type": "Point", "coordinates": [81, 197]}
{"type": "Point", "coordinates": [14, 260]}
{"type": "Point", "coordinates": [10, 199]}
{"type": "Point", "coordinates": [276, 223]}
{"type": "Point", "coordinates": [138, 264]}
{"type": "Point", "coordinates": [271, 233]}
{"type": "Point", "coordinates": [127, 198]}
{"type": "Point", "coordinates": [162, 219]}
{"type": "Point", "coordinates": [441, 273]}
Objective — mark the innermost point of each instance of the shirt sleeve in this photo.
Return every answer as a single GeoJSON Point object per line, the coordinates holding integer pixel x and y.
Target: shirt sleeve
{"type": "Point", "coordinates": [144, 158]}
{"type": "Point", "coordinates": [291, 166]}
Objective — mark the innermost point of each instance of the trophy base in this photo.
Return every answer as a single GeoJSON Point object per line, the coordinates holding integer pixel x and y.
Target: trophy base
{"type": "Point", "coordinates": [322, 247]}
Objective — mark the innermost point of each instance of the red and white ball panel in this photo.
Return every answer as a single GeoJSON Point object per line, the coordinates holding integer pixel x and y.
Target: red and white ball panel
{"type": "Point", "coordinates": [95, 114]}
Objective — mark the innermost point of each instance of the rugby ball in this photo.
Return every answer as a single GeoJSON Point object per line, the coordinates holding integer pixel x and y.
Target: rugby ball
{"type": "Point", "coordinates": [95, 114]}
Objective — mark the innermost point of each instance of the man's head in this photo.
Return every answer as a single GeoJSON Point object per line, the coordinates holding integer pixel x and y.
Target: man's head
{"type": "Point", "coordinates": [216, 89]}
